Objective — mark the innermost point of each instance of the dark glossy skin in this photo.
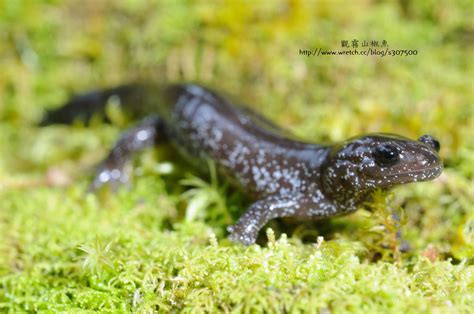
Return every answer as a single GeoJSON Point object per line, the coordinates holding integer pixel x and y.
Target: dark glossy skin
{"type": "Point", "coordinates": [285, 177]}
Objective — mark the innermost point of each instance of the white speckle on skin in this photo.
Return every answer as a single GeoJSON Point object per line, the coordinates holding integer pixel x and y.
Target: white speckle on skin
{"type": "Point", "coordinates": [142, 135]}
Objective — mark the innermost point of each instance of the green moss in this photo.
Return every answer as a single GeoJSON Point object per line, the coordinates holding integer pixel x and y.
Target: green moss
{"type": "Point", "coordinates": [160, 245]}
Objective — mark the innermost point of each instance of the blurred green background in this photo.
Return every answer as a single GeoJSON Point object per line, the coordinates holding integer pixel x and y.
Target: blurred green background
{"type": "Point", "coordinates": [154, 248]}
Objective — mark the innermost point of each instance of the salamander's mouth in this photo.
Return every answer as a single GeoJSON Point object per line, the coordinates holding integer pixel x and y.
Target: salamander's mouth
{"type": "Point", "coordinates": [432, 170]}
{"type": "Point", "coordinates": [417, 175]}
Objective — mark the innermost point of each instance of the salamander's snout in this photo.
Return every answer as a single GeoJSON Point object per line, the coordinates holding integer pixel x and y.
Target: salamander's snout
{"type": "Point", "coordinates": [430, 141]}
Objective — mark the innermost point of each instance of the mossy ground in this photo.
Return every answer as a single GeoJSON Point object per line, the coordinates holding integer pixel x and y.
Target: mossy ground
{"type": "Point", "coordinates": [155, 247]}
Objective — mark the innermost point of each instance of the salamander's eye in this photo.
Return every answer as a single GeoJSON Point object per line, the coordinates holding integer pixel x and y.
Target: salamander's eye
{"type": "Point", "coordinates": [386, 155]}
{"type": "Point", "coordinates": [431, 141]}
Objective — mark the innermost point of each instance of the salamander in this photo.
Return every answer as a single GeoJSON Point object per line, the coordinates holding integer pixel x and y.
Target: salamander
{"type": "Point", "coordinates": [283, 175]}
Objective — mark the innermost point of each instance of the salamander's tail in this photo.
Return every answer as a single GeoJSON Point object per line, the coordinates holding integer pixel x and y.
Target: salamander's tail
{"type": "Point", "coordinates": [83, 107]}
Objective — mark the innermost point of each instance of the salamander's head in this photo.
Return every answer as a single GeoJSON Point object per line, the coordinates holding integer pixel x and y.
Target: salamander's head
{"type": "Point", "coordinates": [381, 161]}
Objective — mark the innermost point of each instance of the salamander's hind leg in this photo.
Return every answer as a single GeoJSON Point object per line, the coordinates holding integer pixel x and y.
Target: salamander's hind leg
{"type": "Point", "coordinates": [111, 171]}
{"type": "Point", "coordinates": [258, 214]}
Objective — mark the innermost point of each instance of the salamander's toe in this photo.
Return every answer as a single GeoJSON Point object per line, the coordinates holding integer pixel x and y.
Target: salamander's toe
{"type": "Point", "coordinates": [112, 177]}
{"type": "Point", "coordinates": [237, 237]}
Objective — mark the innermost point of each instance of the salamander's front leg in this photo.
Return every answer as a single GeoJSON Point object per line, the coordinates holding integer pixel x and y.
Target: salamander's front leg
{"type": "Point", "coordinates": [258, 214]}
{"type": "Point", "coordinates": [111, 171]}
